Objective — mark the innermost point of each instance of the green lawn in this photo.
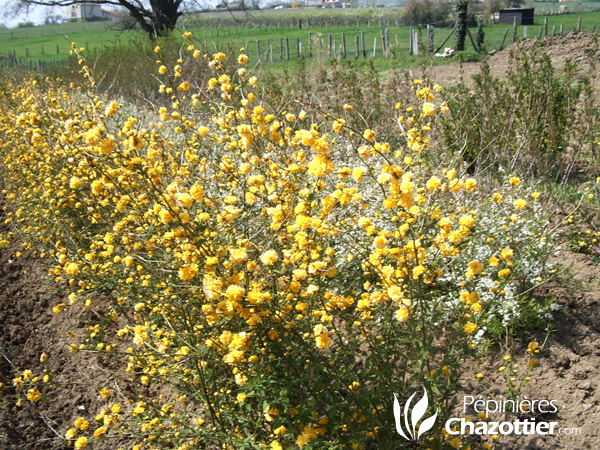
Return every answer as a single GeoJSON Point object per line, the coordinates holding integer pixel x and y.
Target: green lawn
{"type": "Point", "coordinates": [53, 42]}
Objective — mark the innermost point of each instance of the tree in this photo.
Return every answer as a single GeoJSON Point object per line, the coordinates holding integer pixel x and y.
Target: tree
{"type": "Point", "coordinates": [462, 7]}
{"type": "Point", "coordinates": [155, 17]}
{"type": "Point", "coordinates": [424, 12]}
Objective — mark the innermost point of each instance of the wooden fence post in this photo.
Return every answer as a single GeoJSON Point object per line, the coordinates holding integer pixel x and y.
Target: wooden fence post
{"type": "Point", "coordinates": [364, 49]}
{"type": "Point", "coordinates": [503, 39]}
{"type": "Point", "coordinates": [430, 44]}
{"type": "Point", "coordinates": [446, 40]}
{"type": "Point", "coordinates": [287, 49]}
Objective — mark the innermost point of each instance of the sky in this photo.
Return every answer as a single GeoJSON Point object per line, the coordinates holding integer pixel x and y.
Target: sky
{"type": "Point", "coordinates": [36, 15]}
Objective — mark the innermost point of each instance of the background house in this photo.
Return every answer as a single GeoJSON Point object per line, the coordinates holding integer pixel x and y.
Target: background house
{"type": "Point", "coordinates": [87, 11]}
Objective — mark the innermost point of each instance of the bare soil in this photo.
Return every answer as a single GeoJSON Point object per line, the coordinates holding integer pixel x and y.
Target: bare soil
{"type": "Point", "coordinates": [574, 46]}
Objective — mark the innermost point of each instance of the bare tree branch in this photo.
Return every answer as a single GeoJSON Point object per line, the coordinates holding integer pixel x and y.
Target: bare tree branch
{"type": "Point", "coordinates": [157, 20]}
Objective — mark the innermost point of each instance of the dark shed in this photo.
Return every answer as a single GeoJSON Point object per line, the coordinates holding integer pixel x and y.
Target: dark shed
{"type": "Point", "coordinates": [524, 16]}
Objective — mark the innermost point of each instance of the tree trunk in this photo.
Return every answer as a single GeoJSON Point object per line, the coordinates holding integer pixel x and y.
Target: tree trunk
{"type": "Point", "coordinates": [461, 24]}
{"type": "Point", "coordinates": [160, 20]}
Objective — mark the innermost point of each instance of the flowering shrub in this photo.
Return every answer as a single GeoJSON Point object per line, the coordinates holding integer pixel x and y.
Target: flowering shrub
{"type": "Point", "coordinates": [277, 279]}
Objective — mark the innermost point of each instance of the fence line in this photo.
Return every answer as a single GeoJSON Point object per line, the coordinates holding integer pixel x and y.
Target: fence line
{"type": "Point", "coordinates": [331, 45]}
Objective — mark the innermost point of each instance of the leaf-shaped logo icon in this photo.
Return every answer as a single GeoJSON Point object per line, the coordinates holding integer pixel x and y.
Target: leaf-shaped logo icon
{"type": "Point", "coordinates": [416, 414]}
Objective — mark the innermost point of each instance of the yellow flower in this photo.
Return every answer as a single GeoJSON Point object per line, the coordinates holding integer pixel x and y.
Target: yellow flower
{"type": "Point", "coordinates": [189, 272]}
{"type": "Point", "coordinates": [402, 314]}
{"type": "Point", "coordinates": [470, 328]}
{"type": "Point", "coordinates": [243, 59]}
{"type": "Point", "coordinates": [105, 393]}
{"type": "Point", "coordinates": [81, 442]}
{"type": "Point", "coordinates": [506, 253]}
{"type": "Point", "coordinates": [187, 35]}
{"type": "Point", "coordinates": [280, 431]}
{"type": "Point", "coordinates": [504, 273]}
{"type": "Point", "coordinates": [520, 203]}
{"type": "Point", "coordinates": [380, 242]}
{"type": "Point", "coordinates": [338, 125]}
{"type": "Point", "coordinates": [533, 347]}
{"type": "Point", "coordinates": [238, 255]}
{"type": "Point", "coordinates": [185, 86]}
{"type": "Point", "coordinates": [369, 135]}
{"type": "Point", "coordinates": [514, 181]}
{"type": "Point", "coordinates": [81, 423]}
{"type": "Point", "coordinates": [475, 268]}
{"type": "Point", "coordinates": [470, 184]}
{"type": "Point", "coordinates": [433, 183]}
{"type": "Point", "coordinates": [322, 339]}
{"type": "Point", "coordinates": [162, 70]}
{"type": "Point", "coordinates": [34, 395]}
{"type": "Point", "coordinates": [269, 257]}
{"type": "Point", "coordinates": [429, 109]}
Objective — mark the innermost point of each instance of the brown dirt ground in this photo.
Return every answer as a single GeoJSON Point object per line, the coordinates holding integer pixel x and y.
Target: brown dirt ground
{"type": "Point", "coordinates": [575, 46]}
{"type": "Point", "coordinates": [569, 369]}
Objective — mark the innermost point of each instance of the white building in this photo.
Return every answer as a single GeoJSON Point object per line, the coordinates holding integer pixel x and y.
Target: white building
{"type": "Point", "coordinates": [86, 11]}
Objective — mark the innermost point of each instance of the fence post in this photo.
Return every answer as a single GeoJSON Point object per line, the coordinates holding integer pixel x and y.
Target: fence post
{"type": "Point", "coordinates": [309, 44]}
{"type": "Point", "coordinates": [281, 48]}
{"type": "Point", "coordinates": [364, 49]}
{"type": "Point", "coordinates": [258, 50]}
{"type": "Point", "coordinates": [374, 46]}
{"type": "Point", "coordinates": [343, 45]}
{"type": "Point", "coordinates": [411, 44]}
{"type": "Point", "coordinates": [503, 40]}
{"type": "Point", "coordinates": [387, 42]}
{"type": "Point", "coordinates": [561, 29]}
{"type": "Point", "coordinates": [514, 29]}
{"type": "Point", "coordinates": [430, 45]}
{"type": "Point", "coordinates": [287, 49]}
{"type": "Point", "coordinates": [329, 43]}
{"type": "Point", "coordinates": [356, 45]}
{"type": "Point", "coordinates": [446, 40]}
{"type": "Point", "coordinates": [579, 24]}
{"type": "Point", "coordinates": [545, 26]}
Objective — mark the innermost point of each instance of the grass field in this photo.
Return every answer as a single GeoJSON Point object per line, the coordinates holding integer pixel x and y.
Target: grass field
{"type": "Point", "coordinates": [53, 42]}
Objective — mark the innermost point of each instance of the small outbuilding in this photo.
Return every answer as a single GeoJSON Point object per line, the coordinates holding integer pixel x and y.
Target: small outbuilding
{"type": "Point", "coordinates": [523, 16]}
